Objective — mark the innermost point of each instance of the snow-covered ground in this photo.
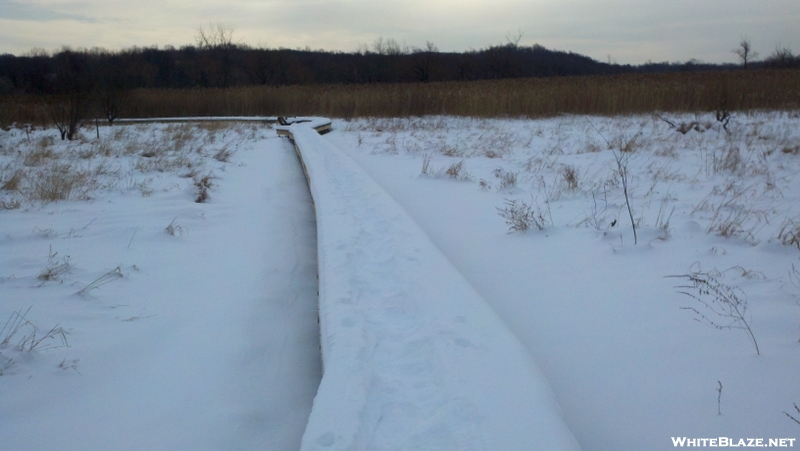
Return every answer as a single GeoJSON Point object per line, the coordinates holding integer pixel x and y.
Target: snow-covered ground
{"type": "Point", "coordinates": [201, 337]}
{"type": "Point", "coordinates": [205, 337]}
{"type": "Point", "coordinates": [629, 366]}
{"type": "Point", "coordinates": [413, 357]}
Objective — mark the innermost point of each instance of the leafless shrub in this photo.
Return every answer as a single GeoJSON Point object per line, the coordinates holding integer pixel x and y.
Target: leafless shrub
{"type": "Point", "coordinates": [10, 204]}
{"type": "Point", "coordinates": [740, 221]}
{"type": "Point", "coordinates": [622, 171]}
{"type": "Point", "coordinates": [449, 150]}
{"type": "Point", "coordinates": [733, 211]}
{"type": "Point", "coordinates": [597, 216]}
{"type": "Point", "coordinates": [456, 171]}
{"type": "Point", "coordinates": [224, 154]}
{"type": "Point", "coordinates": [725, 304]}
{"type": "Point", "coordinates": [591, 147]}
{"type": "Point", "coordinates": [723, 117]}
{"type": "Point", "coordinates": [521, 216]}
{"type": "Point", "coordinates": [570, 175]}
{"type": "Point", "coordinates": [731, 160]}
{"type": "Point", "coordinates": [507, 179]}
{"type": "Point", "coordinates": [625, 144]}
{"type": "Point", "coordinates": [490, 153]}
{"type": "Point", "coordinates": [69, 113]}
{"type": "Point", "coordinates": [204, 185]}
{"type": "Point", "coordinates": [789, 233]}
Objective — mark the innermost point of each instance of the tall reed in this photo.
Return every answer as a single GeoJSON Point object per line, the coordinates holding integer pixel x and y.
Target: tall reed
{"type": "Point", "coordinates": [531, 97]}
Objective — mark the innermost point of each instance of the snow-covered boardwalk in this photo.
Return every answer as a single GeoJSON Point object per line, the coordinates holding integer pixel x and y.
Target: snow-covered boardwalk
{"type": "Point", "coordinates": [413, 357]}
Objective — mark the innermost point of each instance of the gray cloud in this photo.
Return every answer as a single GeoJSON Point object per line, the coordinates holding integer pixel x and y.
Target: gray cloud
{"type": "Point", "coordinates": [628, 31]}
{"type": "Point", "coordinates": [31, 11]}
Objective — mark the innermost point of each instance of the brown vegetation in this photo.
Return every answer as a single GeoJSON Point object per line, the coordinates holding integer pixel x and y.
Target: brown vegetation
{"type": "Point", "coordinates": [532, 97]}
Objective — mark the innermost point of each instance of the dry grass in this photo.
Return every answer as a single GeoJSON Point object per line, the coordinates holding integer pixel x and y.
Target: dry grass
{"type": "Point", "coordinates": [507, 179]}
{"type": "Point", "coordinates": [204, 185]}
{"type": "Point", "coordinates": [56, 269]}
{"type": "Point", "coordinates": [571, 176]}
{"type": "Point", "coordinates": [13, 183]}
{"type": "Point", "coordinates": [61, 182]}
{"type": "Point", "coordinates": [38, 169]}
{"type": "Point", "coordinates": [521, 216]}
{"type": "Point", "coordinates": [789, 233]}
{"type": "Point", "coordinates": [535, 97]}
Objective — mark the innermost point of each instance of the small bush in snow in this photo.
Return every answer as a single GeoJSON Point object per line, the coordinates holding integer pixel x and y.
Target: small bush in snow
{"type": "Point", "coordinates": [726, 305]}
{"type": "Point", "coordinates": [224, 155]}
{"type": "Point", "coordinates": [507, 179]}
{"type": "Point", "coordinates": [790, 233]}
{"type": "Point", "coordinates": [570, 175]}
{"type": "Point", "coordinates": [10, 204]}
{"type": "Point", "coordinates": [521, 216]}
{"type": "Point", "coordinates": [204, 185]}
{"type": "Point", "coordinates": [456, 171]}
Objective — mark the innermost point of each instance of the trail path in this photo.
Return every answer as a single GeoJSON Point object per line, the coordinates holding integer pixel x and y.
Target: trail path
{"type": "Point", "coordinates": [413, 357]}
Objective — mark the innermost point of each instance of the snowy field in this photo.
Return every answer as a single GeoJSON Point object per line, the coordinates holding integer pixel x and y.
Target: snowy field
{"type": "Point", "coordinates": [629, 366]}
{"type": "Point", "coordinates": [190, 325]}
{"type": "Point", "coordinates": [194, 325]}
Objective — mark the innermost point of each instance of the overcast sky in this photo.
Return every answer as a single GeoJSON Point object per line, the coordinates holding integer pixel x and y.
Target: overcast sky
{"type": "Point", "coordinates": [624, 31]}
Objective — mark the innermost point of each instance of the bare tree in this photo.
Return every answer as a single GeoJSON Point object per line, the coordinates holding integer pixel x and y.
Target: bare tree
{"type": "Point", "coordinates": [782, 58]}
{"type": "Point", "coordinates": [72, 84]}
{"type": "Point", "coordinates": [379, 46]}
{"type": "Point", "coordinates": [112, 91]}
{"type": "Point", "coordinates": [745, 52]}
{"type": "Point", "coordinates": [217, 41]}
{"type": "Point", "coordinates": [513, 40]}
{"type": "Point", "coordinates": [215, 36]}
{"type": "Point", "coordinates": [68, 112]}
{"type": "Point", "coordinates": [423, 60]}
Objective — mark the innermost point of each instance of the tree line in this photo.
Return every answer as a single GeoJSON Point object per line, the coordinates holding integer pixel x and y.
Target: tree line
{"type": "Point", "coordinates": [222, 65]}
{"type": "Point", "coordinates": [74, 81]}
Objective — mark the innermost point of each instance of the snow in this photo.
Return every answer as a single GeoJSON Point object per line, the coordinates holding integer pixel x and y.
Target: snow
{"type": "Point", "coordinates": [628, 366]}
{"type": "Point", "coordinates": [210, 339]}
{"type": "Point", "coordinates": [439, 329]}
{"type": "Point", "coordinates": [413, 357]}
